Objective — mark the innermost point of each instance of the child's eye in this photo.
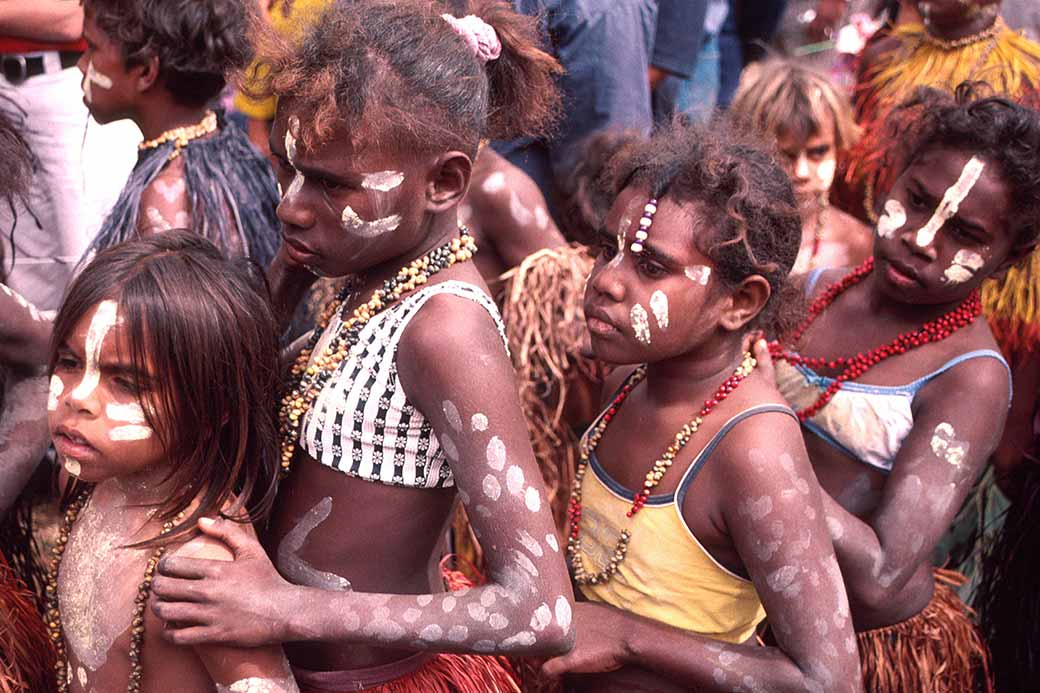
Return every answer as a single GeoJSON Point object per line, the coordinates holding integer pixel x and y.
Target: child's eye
{"type": "Point", "coordinates": [127, 385]}
{"type": "Point", "coordinates": [651, 269]}
{"type": "Point", "coordinates": [66, 363]}
{"type": "Point", "coordinates": [607, 249]}
{"type": "Point", "coordinates": [817, 153]}
{"type": "Point", "coordinates": [330, 185]}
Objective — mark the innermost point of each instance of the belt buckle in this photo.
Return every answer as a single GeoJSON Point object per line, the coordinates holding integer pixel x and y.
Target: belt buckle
{"type": "Point", "coordinates": [15, 69]}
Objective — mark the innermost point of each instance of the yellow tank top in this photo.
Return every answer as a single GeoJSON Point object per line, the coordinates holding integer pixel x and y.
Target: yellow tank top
{"type": "Point", "coordinates": [666, 575]}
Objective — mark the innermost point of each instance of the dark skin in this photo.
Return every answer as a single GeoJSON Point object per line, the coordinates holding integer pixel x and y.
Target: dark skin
{"type": "Point", "coordinates": [393, 607]}
{"type": "Point", "coordinates": [952, 19]}
{"type": "Point", "coordinates": [886, 526]}
{"type": "Point", "coordinates": [702, 345]}
{"type": "Point", "coordinates": [507, 215]}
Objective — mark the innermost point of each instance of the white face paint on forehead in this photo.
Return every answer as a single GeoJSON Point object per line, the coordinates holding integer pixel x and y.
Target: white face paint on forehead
{"type": "Point", "coordinates": [354, 224]}
{"type": "Point", "coordinates": [892, 220]}
{"type": "Point", "coordinates": [104, 319]}
{"type": "Point", "coordinates": [94, 77]}
{"type": "Point", "coordinates": [965, 264]}
{"type": "Point", "coordinates": [951, 201]}
{"type": "Point", "coordinates": [382, 181]}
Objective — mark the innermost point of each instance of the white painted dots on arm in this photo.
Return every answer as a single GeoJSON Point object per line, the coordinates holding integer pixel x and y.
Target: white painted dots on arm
{"type": "Point", "coordinates": [261, 685]}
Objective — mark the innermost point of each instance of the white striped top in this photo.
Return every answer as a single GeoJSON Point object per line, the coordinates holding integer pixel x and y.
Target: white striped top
{"type": "Point", "coordinates": [362, 423]}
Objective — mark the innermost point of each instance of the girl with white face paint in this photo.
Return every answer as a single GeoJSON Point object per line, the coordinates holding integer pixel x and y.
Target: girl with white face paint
{"type": "Point", "coordinates": [685, 533]}
{"type": "Point", "coordinates": [901, 387]}
{"type": "Point", "coordinates": [812, 124]}
{"type": "Point", "coordinates": [152, 436]}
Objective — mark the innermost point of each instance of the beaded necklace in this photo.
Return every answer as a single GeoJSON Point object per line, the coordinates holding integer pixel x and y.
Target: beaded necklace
{"type": "Point", "coordinates": [855, 366]}
{"type": "Point", "coordinates": [183, 135]}
{"type": "Point", "coordinates": [653, 477]}
{"type": "Point", "coordinates": [61, 665]}
{"type": "Point", "coordinates": [992, 31]}
{"type": "Point", "coordinates": [309, 380]}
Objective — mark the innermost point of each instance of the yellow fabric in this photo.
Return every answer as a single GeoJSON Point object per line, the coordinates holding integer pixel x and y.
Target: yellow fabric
{"type": "Point", "coordinates": [302, 14]}
{"type": "Point", "coordinates": [666, 575]}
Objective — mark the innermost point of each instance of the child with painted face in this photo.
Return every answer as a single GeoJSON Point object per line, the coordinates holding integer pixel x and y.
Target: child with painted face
{"type": "Point", "coordinates": [694, 513]}
{"type": "Point", "coordinates": [161, 63]}
{"type": "Point", "coordinates": [812, 124]}
{"type": "Point", "coordinates": [900, 385]}
{"type": "Point", "coordinates": [164, 366]}
{"type": "Point", "coordinates": [404, 400]}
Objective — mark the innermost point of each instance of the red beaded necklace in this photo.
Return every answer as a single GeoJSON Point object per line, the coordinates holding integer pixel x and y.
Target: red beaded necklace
{"type": "Point", "coordinates": [653, 477]}
{"type": "Point", "coordinates": [855, 366]}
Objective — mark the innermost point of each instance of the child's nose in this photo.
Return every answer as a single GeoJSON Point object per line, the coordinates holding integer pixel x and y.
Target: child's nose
{"type": "Point", "coordinates": [607, 280]}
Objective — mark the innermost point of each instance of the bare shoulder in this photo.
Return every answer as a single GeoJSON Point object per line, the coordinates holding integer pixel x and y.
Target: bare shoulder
{"type": "Point", "coordinates": [203, 546]}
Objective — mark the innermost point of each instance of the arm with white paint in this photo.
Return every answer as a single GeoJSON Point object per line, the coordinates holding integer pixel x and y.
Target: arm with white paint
{"type": "Point", "coordinates": [24, 435]}
{"type": "Point", "coordinates": [164, 203]}
{"type": "Point", "coordinates": [958, 419]}
{"type": "Point", "coordinates": [24, 333]}
{"type": "Point", "coordinates": [42, 20]}
{"type": "Point", "coordinates": [237, 670]}
{"type": "Point", "coordinates": [463, 382]}
{"type": "Point", "coordinates": [772, 509]}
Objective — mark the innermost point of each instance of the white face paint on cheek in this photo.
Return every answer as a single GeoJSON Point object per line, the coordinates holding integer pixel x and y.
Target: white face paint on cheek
{"type": "Point", "coordinates": [104, 320]}
{"type": "Point", "coordinates": [951, 201]}
{"type": "Point", "coordinates": [295, 186]}
{"type": "Point", "coordinates": [57, 388]}
{"type": "Point", "coordinates": [478, 422]}
{"type": "Point", "coordinates": [698, 274]}
{"type": "Point", "coordinates": [825, 173]}
{"type": "Point", "coordinates": [354, 224]}
{"type": "Point", "coordinates": [94, 77]}
{"type": "Point", "coordinates": [965, 264]}
{"type": "Point", "coordinates": [126, 413]}
{"type": "Point", "coordinates": [659, 306]}
{"type": "Point", "coordinates": [382, 181]}
{"type": "Point", "coordinates": [946, 446]}
{"type": "Point", "coordinates": [640, 323]}
{"type": "Point", "coordinates": [122, 434]}
{"type": "Point", "coordinates": [892, 220]}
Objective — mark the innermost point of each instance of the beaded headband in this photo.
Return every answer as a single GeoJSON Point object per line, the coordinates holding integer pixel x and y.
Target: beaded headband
{"type": "Point", "coordinates": [645, 222]}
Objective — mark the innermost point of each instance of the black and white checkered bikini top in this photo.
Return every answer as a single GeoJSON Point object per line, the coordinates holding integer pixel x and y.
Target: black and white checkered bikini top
{"type": "Point", "coordinates": [362, 423]}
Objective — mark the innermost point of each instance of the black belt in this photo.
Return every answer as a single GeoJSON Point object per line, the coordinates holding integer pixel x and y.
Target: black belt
{"type": "Point", "coordinates": [18, 68]}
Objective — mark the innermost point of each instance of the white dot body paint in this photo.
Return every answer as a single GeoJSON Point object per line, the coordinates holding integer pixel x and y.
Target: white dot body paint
{"type": "Point", "coordinates": [495, 182]}
{"type": "Point", "coordinates": [946, 446]}
{"type": "Point", "coordinates": [524, 638]}
{"type": "Point", "coordinates": [72, 466]}
{"type": "Point", "coordinates": [563, 613]}
{"type": "Point", "coordinates": [94, 77]}
{"type": "Point", "coordinates": [515, 480]}
{"type": "Point", "coordinates": [56, 390]}
{"type": "Point", "coordinates": [640, 323]}
{"type": "Point", "coordinates": [698, 274]}
{"type": "Point", "coordinates": [431, 632]}
{"type": "Point", "coordinates": [892, 220]}
{"type": "Point", "coordinates": [550, 539]}
{"type": "Point", "coordinates": [382, 181]}
{"type": "Point", "coordinates": [296, 569]}
{"type": "Point", "coordinates": [20, 300]}
{"type": "Point", "coordinates": [496, 454]}
{"type": "Point", "coordinates": [951, 201]}
{"type": "Point", "coordinates": [448, 445]}
{"type": "Point", "coordinates": [782, 578]}
{"type": "Point", "coordinates": [965, 264]}
{"type": "Point", "coordinates": [354, 224]}
{"type": "Point", "coordinates": [498, 621]}
{"type": "Point", "coordinates": [757, 508]}
{"type": "Point", "coordinates": [104, 319]}
{"type": "Point", "coordinates": [492, 487]}
{"type": "Point", "coordinates": [81, 676]}
{"type": "Point", "coordinates": [530, 543]}
{"type": "Point", "coordinates": [533, 500]}
{"type": "Point", "coordinates": [519, 212]}
{"type": "Point", "coordinates": [255, 684]}
{"type": "Point", "coordinates": [542, 617]}
{"type": "Point", "coordinates": [541, 217]}
{"type": "Point", "coordinates": [728, 658]}
{"type": "Point", "coordinates": [451, 413]}
{"type": "Point", "coordinates": [659, 306]}
{"type": "Point", "coordinates": [478, 422]}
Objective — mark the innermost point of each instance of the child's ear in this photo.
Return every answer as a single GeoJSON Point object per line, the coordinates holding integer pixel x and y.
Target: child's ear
{"type": "Point", "coordinates": [447, 181]}
{"type": "Point", "coordinates": [147, 74]}
{"type": "Point", "coordinates": [1017, 254]}
{"type": "Point", "coordinates": [746, 301]}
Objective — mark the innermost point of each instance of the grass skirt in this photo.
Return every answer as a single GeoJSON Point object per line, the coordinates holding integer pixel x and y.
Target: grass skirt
{"type": "Point", "coordinates": [937, 651]}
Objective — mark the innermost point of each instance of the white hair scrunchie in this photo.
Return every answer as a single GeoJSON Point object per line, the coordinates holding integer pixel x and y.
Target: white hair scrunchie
{"type": "Point", "coordinates": [478, 35]}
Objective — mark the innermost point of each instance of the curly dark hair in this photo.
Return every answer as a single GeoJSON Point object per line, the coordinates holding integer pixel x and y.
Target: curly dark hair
{"type": "Point", "coordinates": [752, 215]}
{"type": "Point", "coordinates": [398, 66]}
{"type": "Point", "coordinates": [197, 42]}
{"type": "Point", "coordinates": [971, 120]}
{"type": "Point", "coordinates": [17, 161]}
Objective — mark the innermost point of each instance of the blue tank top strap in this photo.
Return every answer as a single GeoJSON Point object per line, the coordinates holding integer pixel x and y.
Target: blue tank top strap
{"type": "Point", "coordinates": [915, 386]}
{"type": "Point", "coordinates": [705, 453]}
{"type": "Point", "coordinates": [811, 279]}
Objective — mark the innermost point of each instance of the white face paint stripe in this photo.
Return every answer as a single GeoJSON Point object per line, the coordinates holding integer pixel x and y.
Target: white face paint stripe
{"type": "Point", "coordinates": [892, 220]}
{"type": "Point", "coordinates": [951, 201]}
{"type": "Point", "coordinates": [126, 413]}
{"type": "Point", "coordinates": [659, 306]}
{"type": "Point", "coordinates": [965, 264]}
{"type": "Point", "coordinates": [825, 173]}
{"type": "Point", "coordinates": [698, 274]}
{"type": "Point", "coordinates": [640, 323]}
{"type": "Point", "coordinates": [57, 388]}
{"type": "Point", "coordinates": [94, 77]}
{"type": "Point", "coordinates": [382, 181]}
{"type": "Point", "coordinates": [368, 229]}
{"type": "Point", "coordinates": [130, 432]}
{"type": "Point", "coordinates": [103, 321]}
